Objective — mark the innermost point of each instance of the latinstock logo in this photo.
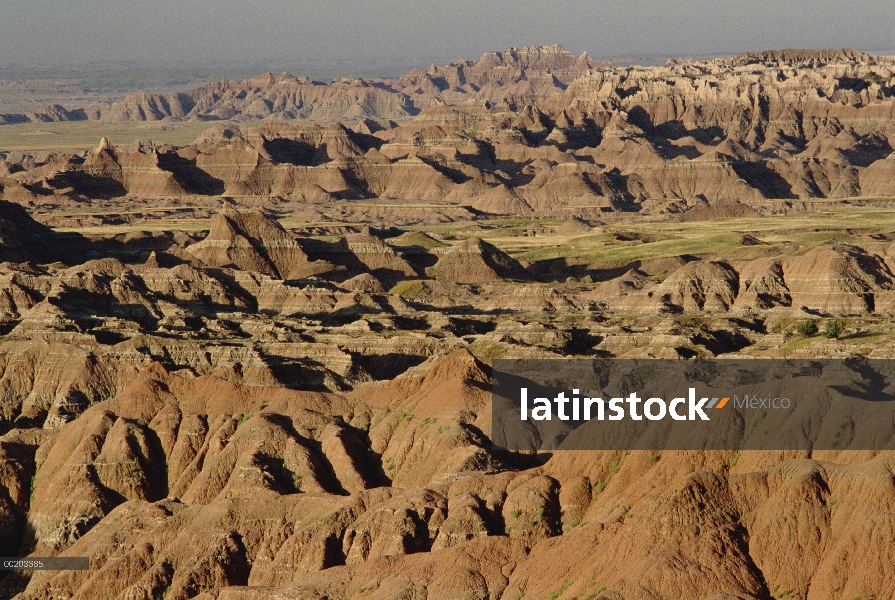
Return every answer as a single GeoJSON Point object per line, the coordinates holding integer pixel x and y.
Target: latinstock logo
{"type": "Point", "coordinates": [654, 404]}
{"type": "Point", "coordinates": [615, 409]}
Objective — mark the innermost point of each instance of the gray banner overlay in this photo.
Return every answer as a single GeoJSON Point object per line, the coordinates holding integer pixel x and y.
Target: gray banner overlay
{"type": "Point", "coordinates": [37, 563]}
{"type": "Point", "coordinates": [721, 404]}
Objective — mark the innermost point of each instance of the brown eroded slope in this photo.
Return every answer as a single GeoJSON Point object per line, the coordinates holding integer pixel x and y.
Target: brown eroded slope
{"type": "Point", "coordinates": [252, 242]}
{"type": "Point", "coordinates": [217, 432]}
{"type": "Point", "coordinates": [474, 261]}
{"type": "Point", "coordinates": [255, 303]}
{"type": "Point", "coordinates": [272, 493]}
{"type": "Point", "coordinates": [23, 240]}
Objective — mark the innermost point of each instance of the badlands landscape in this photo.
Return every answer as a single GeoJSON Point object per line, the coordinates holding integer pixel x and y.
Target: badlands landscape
{"type": "Point", "coordinates": [257, 364]}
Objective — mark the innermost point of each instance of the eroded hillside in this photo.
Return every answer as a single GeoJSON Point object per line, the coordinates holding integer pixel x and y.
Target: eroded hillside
{"type": "Point", "coordinates": [257, 366]}
{"type": "Point", "coordinates": [785, 126]}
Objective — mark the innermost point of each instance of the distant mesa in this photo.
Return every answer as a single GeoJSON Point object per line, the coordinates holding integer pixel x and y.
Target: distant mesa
{"type": "Point", "coordinates": [532, 71]}
{"type": "Point", "coordinates": [803, 56]}
{"type": "Point", "coordinates": [528, 131]}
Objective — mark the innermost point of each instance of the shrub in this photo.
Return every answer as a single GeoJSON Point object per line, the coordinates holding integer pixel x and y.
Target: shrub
{"type": "Point", "coordinates": [807, 328]}
{"type": "Point", "coordinates": [833, 329]}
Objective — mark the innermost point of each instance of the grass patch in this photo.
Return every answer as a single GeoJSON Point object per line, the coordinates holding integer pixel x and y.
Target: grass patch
{"type": "Point", "coordinates": [734, 459]}
{"type": "Point", "coordinates": [799, 342]}
{"type": "Point", "coordinates": [487, 351]}
{"type": "Point", "coordinates": [615, 253]}
{"type": "Point", "coordinates": [74, 136]}
{"type": "Point", "coordinates": [614, 466]}
{"type": "Point", "coordinates": [751, 429]}
{"type": "Point", "coordinates": [408, 289]}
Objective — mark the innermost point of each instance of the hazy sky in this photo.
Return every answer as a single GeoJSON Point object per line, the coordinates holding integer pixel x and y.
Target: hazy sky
{"type": "Point", "coordinates": [54, 32]}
